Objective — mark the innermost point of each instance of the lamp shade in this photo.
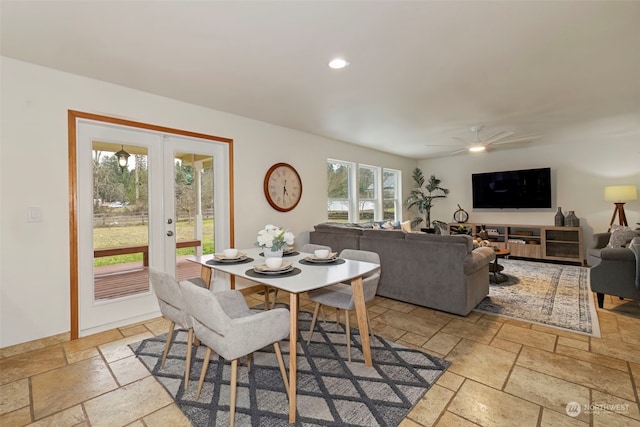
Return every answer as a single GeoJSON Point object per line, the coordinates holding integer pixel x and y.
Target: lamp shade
{"type": "Point", "coordinates": [620, 193]}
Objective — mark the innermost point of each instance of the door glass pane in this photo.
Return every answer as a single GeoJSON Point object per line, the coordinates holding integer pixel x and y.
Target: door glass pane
{"type": "Point", "coordinates": [194, 215]}
{"type": "Point", "coordinates": [120, 221]}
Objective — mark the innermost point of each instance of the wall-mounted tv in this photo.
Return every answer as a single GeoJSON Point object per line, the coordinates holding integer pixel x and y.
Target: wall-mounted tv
{"type": "Point", "coordinates": [516, 189]}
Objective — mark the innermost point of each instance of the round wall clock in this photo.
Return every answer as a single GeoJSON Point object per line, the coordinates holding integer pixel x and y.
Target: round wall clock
{"type": "Point", "coordinates": [282, 187]}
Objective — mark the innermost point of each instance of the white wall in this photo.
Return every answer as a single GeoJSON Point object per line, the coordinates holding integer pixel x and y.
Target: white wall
{"type": "Point", "coordinates": [34, 257]}
{"type": "Point", "coordinates": [580, 169]}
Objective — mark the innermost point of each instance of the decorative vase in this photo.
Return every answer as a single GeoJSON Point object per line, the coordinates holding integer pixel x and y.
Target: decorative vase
{"type": "Point", "coordinates": [559, 219]}
{"type": "Point", "coordinates": [571, 220]}
{"type": "Point", "coordinates": [269, 253]}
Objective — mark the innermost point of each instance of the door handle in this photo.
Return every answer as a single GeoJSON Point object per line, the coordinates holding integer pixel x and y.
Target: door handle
{"type": "Point", "coordinates": [169, 233]}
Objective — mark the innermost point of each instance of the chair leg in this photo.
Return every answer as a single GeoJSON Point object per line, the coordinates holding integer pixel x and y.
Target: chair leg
{"type": "Point", "coordinates": [370, 328]}
{"type": "Point", "coordinates": [275, 298]}
{"type": "Point", "coordinates": [205, 365]}
{"type": "Point", "coordinates": [283, 370]}
{"type": "Point", "coordinates": [600, 299]}
{"type": "Point", "coordinates": [187, 369]}
{"type": "Point", "coordinates": [348, 332]}
{"type": "Point", "coordinates": [232, 398]}
{"type": "Point", "coordinates": [313, 321]}
{"type": "Point", "coordinates": [249, 357]}
{"type": "Point", "coordinates": [172, 326]}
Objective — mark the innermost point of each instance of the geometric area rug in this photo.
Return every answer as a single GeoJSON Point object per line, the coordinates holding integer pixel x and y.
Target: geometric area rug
{"type": "Point", "coordinates": [554, 295]}
{"type": "Point", "coordinates": [331, 391]}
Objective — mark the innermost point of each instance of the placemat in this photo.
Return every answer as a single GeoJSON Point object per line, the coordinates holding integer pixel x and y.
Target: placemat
{"type": "Point", "coordinates": [294, 253]}
{"type": "Point", "coordinates": [244, 261]}
{"type": "Point", "coordinates": [252, 273]}
{"type": "Point", "coordinates": [334, 262]}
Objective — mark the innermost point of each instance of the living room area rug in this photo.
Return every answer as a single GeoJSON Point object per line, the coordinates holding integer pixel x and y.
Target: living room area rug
{"type": "Point", "coordinates": [554, 295]}
{"type": "Point", "coordinates": [331, 391]}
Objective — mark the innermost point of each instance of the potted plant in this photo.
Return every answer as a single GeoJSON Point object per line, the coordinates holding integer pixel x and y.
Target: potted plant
{"type": "Point", "coordinates": [423, 200]}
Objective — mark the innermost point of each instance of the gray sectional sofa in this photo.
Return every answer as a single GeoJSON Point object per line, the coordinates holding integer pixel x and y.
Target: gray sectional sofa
{"type": "Point", "coordinates": [440, 272]}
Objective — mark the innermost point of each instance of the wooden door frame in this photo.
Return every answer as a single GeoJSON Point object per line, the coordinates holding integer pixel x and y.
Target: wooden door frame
{"type": "Point", "coordinates": [72, 122]}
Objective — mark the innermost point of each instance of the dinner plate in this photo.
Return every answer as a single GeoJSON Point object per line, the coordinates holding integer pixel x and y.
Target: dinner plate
{"type": "Point", "coordinates": [263, 269]}
{"type": "Point", "coordinates": [312, 258]}
{"type": "Point", "coordinates": [222, 258]}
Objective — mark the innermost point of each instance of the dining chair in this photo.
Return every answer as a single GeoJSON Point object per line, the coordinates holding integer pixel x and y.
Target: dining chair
{"type": "Point", "coordinates": [224, 323]}
{"type": "Point", "coordinates": [172, 307]}
{"type": "Point", "coordinates": [308, 247]}
{"type": "Point", "coordinates": [340, 296]}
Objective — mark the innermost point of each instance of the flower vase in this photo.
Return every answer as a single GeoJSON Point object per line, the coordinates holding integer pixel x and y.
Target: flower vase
{"type": "Point", "coordinates": [270, 253]}
{"type": "Point", "coordinates": [571, 220]}
{"type": "Point", "coordinates": [559, 218]}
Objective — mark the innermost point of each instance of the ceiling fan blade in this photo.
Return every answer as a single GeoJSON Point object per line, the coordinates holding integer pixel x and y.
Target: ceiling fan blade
{"type": "Point", "coordinates": [527, 138]}
{"type": "Point", "coordinates": [464, 141]}
{"type": "Point", "coordinates": [492, 136]}
{"type": "Point", "coordinates": [462, 150]}
{"type": "Point", "coordinates": [498, 136]}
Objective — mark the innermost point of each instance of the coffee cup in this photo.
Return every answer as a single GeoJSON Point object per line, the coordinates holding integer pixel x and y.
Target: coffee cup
{"type": "Point", "coordinates": [230, 253]}
{"type": "Point", "coordinates": [273, 262]}
{"type": "Point", "coordinates": [321, 253]}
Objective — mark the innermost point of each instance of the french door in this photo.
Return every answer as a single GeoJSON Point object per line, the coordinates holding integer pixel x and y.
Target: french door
{"type": "Point", "coordinates": [150, 213]}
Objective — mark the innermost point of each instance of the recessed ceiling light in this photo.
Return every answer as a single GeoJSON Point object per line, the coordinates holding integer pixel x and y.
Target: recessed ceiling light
{"type": "Point", "coordinates": [476, 148]}
{"type": "Point", "coordinates": [338, 63]}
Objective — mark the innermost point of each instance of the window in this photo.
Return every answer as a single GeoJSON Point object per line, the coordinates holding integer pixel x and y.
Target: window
{"type": "Point", "coordinates": [362, 193]}
{"type": "Point", "coordinates": [391, 203]}
{"type": "Point", "coordinates": [367, 193]}
{"type": "Point", "coordinates": [339, 190]}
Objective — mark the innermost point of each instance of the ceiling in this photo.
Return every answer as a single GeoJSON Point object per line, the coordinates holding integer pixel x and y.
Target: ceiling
{"type": "Point", "coordinates": [420, 73]}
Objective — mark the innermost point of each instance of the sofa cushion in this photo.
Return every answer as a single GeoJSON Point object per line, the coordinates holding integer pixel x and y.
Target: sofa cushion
{"type": "Point", "coordinates": [342, 228]}
{"type": "Point", "coordinates": [383, 234]}
{"type": "Point", "coordinates": [457, 238]}
{"type": "Point", "coordinates": [621, 236]}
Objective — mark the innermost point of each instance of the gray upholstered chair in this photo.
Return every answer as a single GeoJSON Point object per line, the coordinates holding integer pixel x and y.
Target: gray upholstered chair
{"type": "Point", "coordinates": [340, 296]}
{"type": "Point", "coordinates": [616, 270]}
{"type": "Point", "coordinates": [172, 308]}
{"type": "Point", "coordinates": [225, 324]}
{"type": "Point", "coordinates": [310, 248]}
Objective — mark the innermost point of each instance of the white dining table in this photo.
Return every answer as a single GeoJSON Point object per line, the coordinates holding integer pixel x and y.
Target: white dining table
{"type": "Point", "coordinates": [310, 277]}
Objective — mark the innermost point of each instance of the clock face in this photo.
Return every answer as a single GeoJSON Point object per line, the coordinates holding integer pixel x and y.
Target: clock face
{"type": "Point", "coordinates": [282, 187]}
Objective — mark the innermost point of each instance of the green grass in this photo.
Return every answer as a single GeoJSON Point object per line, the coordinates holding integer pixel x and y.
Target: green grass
{"type": "Point", "coordinates": [138, 235]}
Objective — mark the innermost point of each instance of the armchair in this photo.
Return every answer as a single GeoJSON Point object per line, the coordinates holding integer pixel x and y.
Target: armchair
{"type": "Point", "coordinates": [614, 271]}
{"type": "Point", "coordinates": [226, 325]}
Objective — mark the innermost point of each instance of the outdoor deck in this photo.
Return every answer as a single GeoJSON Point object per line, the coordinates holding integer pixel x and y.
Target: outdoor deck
{"type": "Point", "coordinates": [116, 281]}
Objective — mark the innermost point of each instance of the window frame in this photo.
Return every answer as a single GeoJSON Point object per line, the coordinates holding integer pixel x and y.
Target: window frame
{"type": "Point", "coordinates": [354, 199]}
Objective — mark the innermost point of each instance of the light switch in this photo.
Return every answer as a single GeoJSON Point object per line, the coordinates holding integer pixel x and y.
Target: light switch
{"type": "Point", "coordinates": [34, 214]}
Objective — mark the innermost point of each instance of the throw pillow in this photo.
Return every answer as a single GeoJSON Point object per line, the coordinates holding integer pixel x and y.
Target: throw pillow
{"type": "Point", "coordinates": [621, 235]}
{"type": "Point", "coordinates": [388, 225]}
{"type": "Point", "coordinates": [406, 226]}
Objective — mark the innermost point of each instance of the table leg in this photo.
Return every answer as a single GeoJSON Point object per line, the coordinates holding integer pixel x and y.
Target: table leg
{"type": "Point", "coordinates": [361, 313]}
{"type": "Point", "coordinates": [205, 274]}
{"type": "Point", "coordinates": [293, 343]}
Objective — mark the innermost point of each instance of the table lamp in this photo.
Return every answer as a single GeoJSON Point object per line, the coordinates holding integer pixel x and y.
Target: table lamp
{"type": "Point", "coordinates": [618, 194]}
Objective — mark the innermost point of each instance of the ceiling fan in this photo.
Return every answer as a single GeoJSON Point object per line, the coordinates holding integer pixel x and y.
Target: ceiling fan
{"type": "Point", "coordinates": [479, 144]}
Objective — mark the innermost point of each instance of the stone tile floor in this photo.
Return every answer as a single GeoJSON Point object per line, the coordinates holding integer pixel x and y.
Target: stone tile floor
{"type": "Point", "coordinates": [503, 373]}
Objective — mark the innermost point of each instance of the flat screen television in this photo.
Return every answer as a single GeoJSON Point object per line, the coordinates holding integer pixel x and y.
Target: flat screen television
{"type": "Point", "coordinates": [516, 189]}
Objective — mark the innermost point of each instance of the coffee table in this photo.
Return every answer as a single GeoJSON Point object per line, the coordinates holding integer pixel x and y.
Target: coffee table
{"type": "Point", "coordinates": [496, 268]}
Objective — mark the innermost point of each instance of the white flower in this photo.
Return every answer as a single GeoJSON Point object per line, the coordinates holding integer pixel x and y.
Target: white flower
{"type": "Point", "coordinates": [274, 237]}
